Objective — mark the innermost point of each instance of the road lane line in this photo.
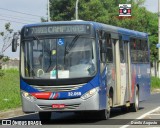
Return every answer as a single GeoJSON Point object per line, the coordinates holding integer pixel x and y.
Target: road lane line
{"type": "Point", "coordinates": [141, 117]}
{"type": "Point", "coordinates": [154, 114]}
{"type": "Point", "coordinates": [144, 115]}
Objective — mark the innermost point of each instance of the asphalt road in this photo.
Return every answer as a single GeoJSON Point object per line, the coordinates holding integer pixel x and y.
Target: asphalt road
{"type": "Point", "coordinates": [117, 119]}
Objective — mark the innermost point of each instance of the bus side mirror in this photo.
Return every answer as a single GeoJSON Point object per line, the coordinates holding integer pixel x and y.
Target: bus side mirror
{"type": "Point", "coordinates": [15, 42]}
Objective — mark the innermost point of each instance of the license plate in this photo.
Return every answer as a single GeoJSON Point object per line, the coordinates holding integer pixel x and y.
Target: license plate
{"type": "Point", "coordinates": [58, 106]}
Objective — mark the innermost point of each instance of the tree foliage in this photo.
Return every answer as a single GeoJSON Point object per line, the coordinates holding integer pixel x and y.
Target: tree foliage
{"type": "Point", "coordinates": [107, 11]}
{"type": "Point", "coordinates": [6, 37]}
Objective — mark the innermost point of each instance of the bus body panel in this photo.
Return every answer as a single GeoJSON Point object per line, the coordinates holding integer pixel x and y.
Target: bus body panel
{"type": "Point", "coordinates": [141, 77]}
{"type": "Point", "coordinates": [76, 93]}
{"type": "Point", "coordinates": [70, 104]}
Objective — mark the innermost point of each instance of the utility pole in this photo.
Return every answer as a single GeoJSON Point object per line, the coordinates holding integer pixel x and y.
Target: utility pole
{"type": "Point", "coordinates": [158, 38]}
{"type": "Point", "coordinates": [48, 10]}
{"type": "Point", "coordinates": [77, 9]}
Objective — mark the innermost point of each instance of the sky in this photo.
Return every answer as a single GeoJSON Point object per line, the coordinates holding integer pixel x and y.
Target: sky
{"type": "Point", "coordinates": [9, 12]}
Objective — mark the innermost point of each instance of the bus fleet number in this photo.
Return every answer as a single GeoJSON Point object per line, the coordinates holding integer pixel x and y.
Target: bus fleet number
{"type": "Point", "coordinates": [74, 93]}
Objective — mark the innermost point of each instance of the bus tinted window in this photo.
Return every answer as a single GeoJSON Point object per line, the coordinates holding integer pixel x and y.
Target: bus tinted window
{"type": "Point", "coordinates": [133, 50]}
{"type": "Point", "coordinates": [121, 43]}
{"type": "Point", "coordinates": [109, 56]}
{"type": "Point", "coordinates": [139, 51]}
{"type": "Point", "coordinates": [133, 44]}
{"type": "Point", "coordinates": [138, 45]}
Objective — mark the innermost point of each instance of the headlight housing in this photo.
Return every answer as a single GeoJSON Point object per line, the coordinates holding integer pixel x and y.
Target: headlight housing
{"type": "Point", "coordinates": [89, 94]}
{"type": "Point", "coordinates": [28, 96]}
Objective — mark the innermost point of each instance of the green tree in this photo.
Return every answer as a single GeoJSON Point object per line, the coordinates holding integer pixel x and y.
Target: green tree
{"type": "Point", "coordinates": [107, 11]}
{"type": "Point", "coordinates": [6, 37]}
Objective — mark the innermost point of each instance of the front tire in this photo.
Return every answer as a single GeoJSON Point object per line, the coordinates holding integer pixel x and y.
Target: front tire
{"type": "Point", "coordinates": [105, 114]}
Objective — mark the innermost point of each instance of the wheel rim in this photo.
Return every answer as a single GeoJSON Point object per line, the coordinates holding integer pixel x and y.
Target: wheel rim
{"type": "Point", "coordinates": [107, 111]}
{"type": "Point", "coordinates": [137, 100]}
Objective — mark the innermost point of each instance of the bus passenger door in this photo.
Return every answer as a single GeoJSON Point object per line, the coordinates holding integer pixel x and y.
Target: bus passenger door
{"type": "Point", "coordinates": [128, 70]}
{"type": "Point", "coordinates": [124, 71]}
{"type": "Point", "coordinates": [116, 60]}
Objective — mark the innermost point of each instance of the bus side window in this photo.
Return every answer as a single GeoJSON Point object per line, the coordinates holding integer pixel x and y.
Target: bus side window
{"type": "Point", "coordinates": [145, 51]}
{"type": "Point", "coordinates": [109, 56]}
{"type": "Point", "coordinates": [121, 44]}
{"type": "Point", "coordinates": [139, 51]}
{"type": "Point", "coordinates": [102, 45]}
{"type": "Point", "coordinates": [133, 50]}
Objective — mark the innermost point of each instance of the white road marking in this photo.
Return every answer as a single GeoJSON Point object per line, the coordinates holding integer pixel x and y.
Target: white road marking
{"type": "Point", "coordinates": [155, 114]}
{"type": "Point", "coordinates": [141, 117]}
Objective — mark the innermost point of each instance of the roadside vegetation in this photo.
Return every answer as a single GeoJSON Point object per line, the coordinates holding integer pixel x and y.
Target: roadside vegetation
{"type": "Point", "coordinates": [9, 89]}
{"type": "Point", "coordinates": [155, 83]}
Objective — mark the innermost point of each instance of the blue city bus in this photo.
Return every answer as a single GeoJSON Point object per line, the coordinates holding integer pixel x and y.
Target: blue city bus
{"type": "Point", "coordinates": [82, 66]}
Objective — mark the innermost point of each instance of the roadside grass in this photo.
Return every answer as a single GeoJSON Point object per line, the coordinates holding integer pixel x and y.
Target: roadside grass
{"type": "Point", "coordinates": [9, 89]}
{"type": "Point", "coordinates": [155, 82]}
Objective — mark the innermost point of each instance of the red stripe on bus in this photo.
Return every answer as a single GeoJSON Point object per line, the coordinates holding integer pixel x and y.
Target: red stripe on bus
{"type": "Point", "coordinates": [42, 95]}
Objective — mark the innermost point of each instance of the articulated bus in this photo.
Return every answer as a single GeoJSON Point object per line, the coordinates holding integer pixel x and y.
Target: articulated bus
{"type": "Point", "coordinates": [82, 66]}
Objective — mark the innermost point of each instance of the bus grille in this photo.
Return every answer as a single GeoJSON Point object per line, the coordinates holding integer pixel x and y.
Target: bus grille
{"type": "Point", "coordinates": [60, 88]}
{"type": "Point", "coordinates": [67, 107]}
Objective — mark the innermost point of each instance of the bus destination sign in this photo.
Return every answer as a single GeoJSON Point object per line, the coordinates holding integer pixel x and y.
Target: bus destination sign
{"type": "Point", "coordinates": [57, 29]}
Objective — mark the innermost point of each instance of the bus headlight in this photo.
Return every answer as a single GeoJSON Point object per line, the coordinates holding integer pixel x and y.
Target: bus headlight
{"type": "Point", "coordinates": [89, 94]}
{"type": "Point", "coordinates": [28, 96]}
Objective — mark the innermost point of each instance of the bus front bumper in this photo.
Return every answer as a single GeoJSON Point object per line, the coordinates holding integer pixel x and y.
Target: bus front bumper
{"type": "Point", "coordinates": [77, 104]}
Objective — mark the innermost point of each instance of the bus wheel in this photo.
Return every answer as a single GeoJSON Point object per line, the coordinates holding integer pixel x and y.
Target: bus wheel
{"type": "Point", "coordinates": [135, 105]}
{"type": "Point", "coordinates": [106, 113]}
{"type": "Point", "coordinates": [45, 116]}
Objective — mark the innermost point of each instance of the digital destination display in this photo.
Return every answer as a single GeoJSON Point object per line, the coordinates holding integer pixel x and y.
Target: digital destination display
{"type": "Point", "coordinates": [57, 29]}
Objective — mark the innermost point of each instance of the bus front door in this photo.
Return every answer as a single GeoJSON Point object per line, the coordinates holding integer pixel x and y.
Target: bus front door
{"type": "Point", "coordinates": [122, 88]}
{"type": "Point", "coordinates": [124, 72]}
{"type": "Point", "coordinates": [128, 71]}
{"type": "Point", "coordinates": [116, 61]}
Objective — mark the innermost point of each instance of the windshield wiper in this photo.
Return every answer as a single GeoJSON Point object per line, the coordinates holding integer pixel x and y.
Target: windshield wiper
{"type": "Point", "coordinates": [50, 60]}
{"type": "Point", "coordinates": [71, 45]}
{"type": "Point", "coordinates": [30, 68]}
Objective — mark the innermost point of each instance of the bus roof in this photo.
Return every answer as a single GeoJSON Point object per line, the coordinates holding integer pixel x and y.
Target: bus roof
{"type": "Point", "coordinates": [97, 26]}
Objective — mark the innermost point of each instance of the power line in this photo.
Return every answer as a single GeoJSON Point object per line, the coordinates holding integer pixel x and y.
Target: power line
{"type": "Point", "coordinates": [20, 12]}
{"type": "Point", "coordinates": [5, 46]}
{"type": "Point", "coordinates": [16, 18]}
{"type": "Point", "coordinates": [3, 50]}
{"type": "Point", "coordinates": [13, 21]}
{"type": "Point", "coordinates": [20, 16]}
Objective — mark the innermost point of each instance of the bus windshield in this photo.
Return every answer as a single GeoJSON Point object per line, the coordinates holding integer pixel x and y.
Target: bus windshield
{"type": "Point", "coordinates": [59, 58]}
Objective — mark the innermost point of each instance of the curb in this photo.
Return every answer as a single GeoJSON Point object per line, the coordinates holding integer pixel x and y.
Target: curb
{"type": "Point", "coordinates": [11, 113]}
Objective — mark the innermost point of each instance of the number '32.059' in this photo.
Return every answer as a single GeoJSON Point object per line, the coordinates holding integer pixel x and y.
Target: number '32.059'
{"type": "Point", "coordinates": [74, 93]}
